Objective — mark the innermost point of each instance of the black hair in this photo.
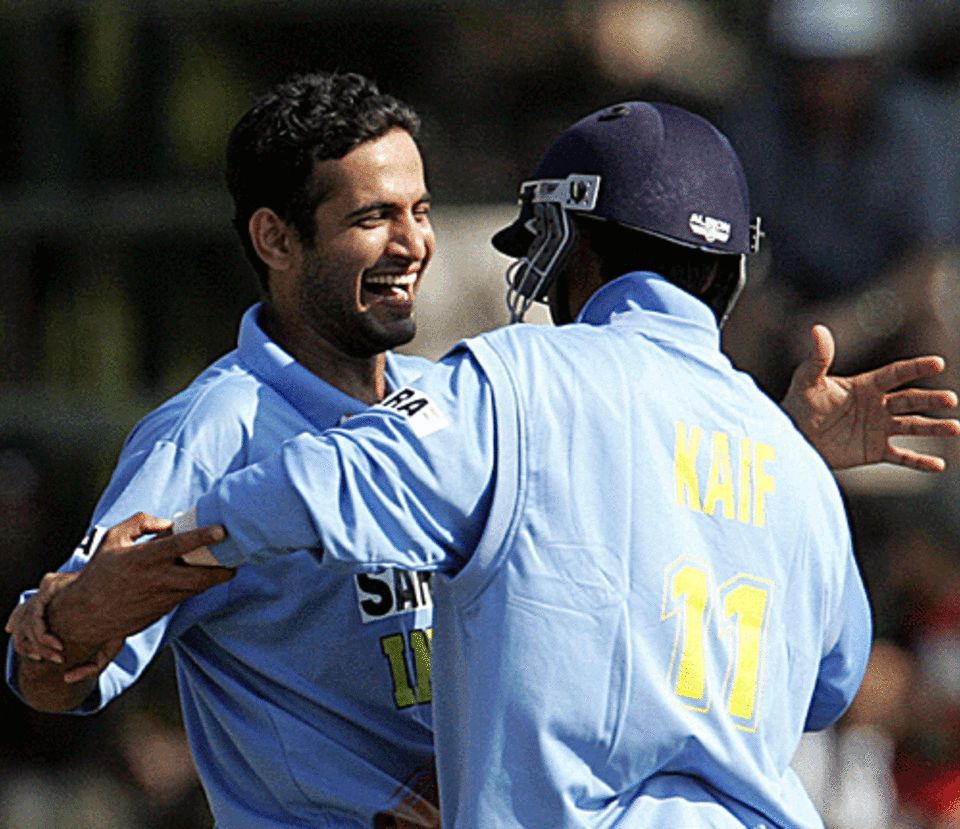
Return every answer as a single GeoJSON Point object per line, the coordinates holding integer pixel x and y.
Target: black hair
{"type": "Point", "coordinates": [307, 118]}
{"type": "Point", "coordinates": [708, 275]}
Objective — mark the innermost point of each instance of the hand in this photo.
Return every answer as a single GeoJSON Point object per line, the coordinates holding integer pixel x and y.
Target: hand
{"type": "Point", "coordinates": [27, 624]}
{"type": "Point", "coordinates": [850, 420]}
{"type": "Point", "coordinates": [126, 586]}
{"type": "Point", "coordinates": [27, 627]}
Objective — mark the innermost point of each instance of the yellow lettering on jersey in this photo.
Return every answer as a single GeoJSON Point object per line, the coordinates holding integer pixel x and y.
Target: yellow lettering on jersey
{"type": "Point", "coordinates": [735, 491]}
{"type": "Point", "coordinates": [720, 477]}
{"type": "Point", "coordinates": [743, 482]}
{"type": "Point", "coordinates": [747, 604]}
{"type": "Point", "coordinates": [420, 641]}
{"type": "Point", "coordinates": [685, 466]}
{"type": "Point", "coordinates": [763, 482]}
{"type": "Point", "coordinates": [395, 649]}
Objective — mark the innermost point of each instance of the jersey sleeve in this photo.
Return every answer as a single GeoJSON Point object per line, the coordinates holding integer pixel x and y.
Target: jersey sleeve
{"type": "Point", "coordinates": [405, 484]}
{"type": "Point", "coordinates": [161, 480]}
{"type": "Point", "coordinates": [846, 653]}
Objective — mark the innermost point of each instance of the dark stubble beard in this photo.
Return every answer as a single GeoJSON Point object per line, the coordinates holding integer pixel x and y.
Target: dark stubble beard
{"type": "Point", "coordinates": [332, 316]}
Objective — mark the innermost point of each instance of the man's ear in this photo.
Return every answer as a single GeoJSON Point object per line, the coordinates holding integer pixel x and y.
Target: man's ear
{"type": "Point", "coordinates": [272, 238]}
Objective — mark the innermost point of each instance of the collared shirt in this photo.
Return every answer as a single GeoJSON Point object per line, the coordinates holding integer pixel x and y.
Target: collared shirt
{"type": "Point", "coordinates": [646, 585]}
{"type": "Point", "coordinates": [303, 708]}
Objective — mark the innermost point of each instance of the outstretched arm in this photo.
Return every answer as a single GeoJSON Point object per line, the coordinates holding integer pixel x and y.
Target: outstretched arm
{"type": "Point", "coordinates": [851, 420]}
{"type": "Point", "coordinates": [407, 483]}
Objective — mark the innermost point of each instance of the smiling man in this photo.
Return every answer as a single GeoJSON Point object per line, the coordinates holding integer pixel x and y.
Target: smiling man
{"type": "Point", "coordinates": [306, 693]}
{"type": "Point", "coordinates": [646, 589]}
{"type": "Point", "coordinates": [346, 295]}
{"type": "Point", "coordinates": [303, 708]}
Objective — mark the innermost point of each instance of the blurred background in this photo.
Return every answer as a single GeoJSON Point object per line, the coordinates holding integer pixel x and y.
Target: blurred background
{"type": "Point", "coordinates": [121, 279]}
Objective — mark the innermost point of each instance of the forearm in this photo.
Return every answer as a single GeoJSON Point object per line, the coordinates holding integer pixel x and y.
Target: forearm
{"type": "Point", "coordinates": [255, 533]}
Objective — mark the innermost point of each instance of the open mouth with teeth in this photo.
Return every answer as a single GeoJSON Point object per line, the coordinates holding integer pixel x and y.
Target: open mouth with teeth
{"type": "Point", "coordinates": [390, 288]}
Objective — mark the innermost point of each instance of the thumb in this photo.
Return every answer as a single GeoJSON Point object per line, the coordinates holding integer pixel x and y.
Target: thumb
{"type": "Point", "coordinates": [810, 373]}
{"type": "Point", "coordinates": [822, 349]}
{"type": "Point", "coordinates": [97, 663]}
{"type": "Point", "coordinates": [819, 358]}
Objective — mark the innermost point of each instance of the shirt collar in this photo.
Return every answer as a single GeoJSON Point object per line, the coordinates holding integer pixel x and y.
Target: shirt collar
{"type": "Point", "coordinates": [646, 299]}
{"type": "Point", "coordinates": [318, 401]}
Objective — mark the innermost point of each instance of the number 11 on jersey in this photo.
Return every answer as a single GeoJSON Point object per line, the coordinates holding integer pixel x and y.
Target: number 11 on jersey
{"type": "Point", "coordinates": [741, 606]}
{"type": "Point", "coordinates": [409, 690]}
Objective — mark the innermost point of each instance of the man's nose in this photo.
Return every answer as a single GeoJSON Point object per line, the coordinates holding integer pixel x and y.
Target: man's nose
{"type": "Point", "coordinates": [412, 237]}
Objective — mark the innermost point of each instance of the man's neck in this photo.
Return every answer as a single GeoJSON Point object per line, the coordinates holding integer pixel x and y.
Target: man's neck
{"type": "Point", "coordinates": [363, 378]}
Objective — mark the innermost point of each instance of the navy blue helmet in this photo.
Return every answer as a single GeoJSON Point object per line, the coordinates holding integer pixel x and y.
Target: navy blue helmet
{"type": "Point", "coordinates": [650, 167]}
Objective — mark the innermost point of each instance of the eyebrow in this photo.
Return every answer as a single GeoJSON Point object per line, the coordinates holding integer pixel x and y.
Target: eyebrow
{"type": "Point", "coordinates": [381, 205]}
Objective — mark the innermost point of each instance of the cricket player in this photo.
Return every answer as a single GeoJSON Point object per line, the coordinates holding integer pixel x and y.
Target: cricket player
{"type": "Point", "coordinates": [302, 709]}
{"type": "Point", "coordinates": [645, 585]}
{"type": "Point", "coordinates": [378, 596]}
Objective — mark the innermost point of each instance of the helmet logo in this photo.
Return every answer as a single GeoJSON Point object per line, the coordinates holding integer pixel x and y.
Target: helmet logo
{"type": "Point", "coordinates": [712, 230]}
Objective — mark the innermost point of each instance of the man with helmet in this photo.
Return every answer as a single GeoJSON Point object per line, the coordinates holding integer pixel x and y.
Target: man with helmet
{"type": "Point", "coordinates": [654, 196]}
{"type": "Point", "coordinates": [647, 586]}
{"type": "Point", "coordinates": [624, 526]}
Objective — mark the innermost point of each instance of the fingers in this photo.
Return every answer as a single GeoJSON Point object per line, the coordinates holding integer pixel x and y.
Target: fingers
{"type": "Point", "coordinates": [126, 532]}
{"type": "Point", "coordinates": [914, 460]}
{"type": "Point", "coordinates": [921, 426]}
{"type": "Point", "coordinates": [901, 372]}
{"type": "Point", "coordinates": [49, 647]}
{"type": "Point", "coordinates": [909, 401]}
{"type": "Point", "coordinates": [200, 558]}
{"type": "Point", "coordinates": [174, 546]}
{"type": "Point", "coordinates": [45, 649]}
{"type": "Point", "coordinates": [28, 629]}
{"type": "Point", "coordinates": [29, 621]}
{"type": "Point", "coordinates": [17, 628]}
{"type": "Point", "coordinates": [195, 579]}
{"type": "Point", "coordinates": [96, 665]}
{"type": "Point", "coordinates": [78, 673]}
{"type": "Point", "coordinates": [145, 524]}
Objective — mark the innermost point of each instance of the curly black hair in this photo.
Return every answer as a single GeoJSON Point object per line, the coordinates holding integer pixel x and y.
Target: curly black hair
{"type": "Point", "coordinates": [307, 118]}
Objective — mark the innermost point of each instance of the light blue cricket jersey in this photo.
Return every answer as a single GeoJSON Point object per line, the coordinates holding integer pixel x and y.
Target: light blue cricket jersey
{"type": "Point", "coordinates": [304, 707]}
{"type": "Point", "coordinates": [647, 589]}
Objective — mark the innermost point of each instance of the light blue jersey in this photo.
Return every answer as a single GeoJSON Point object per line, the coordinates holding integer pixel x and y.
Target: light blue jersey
{"type": "Point", "coordinates": [304, 708]}
{"type": "Point", "coordinates": [647, 590]}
